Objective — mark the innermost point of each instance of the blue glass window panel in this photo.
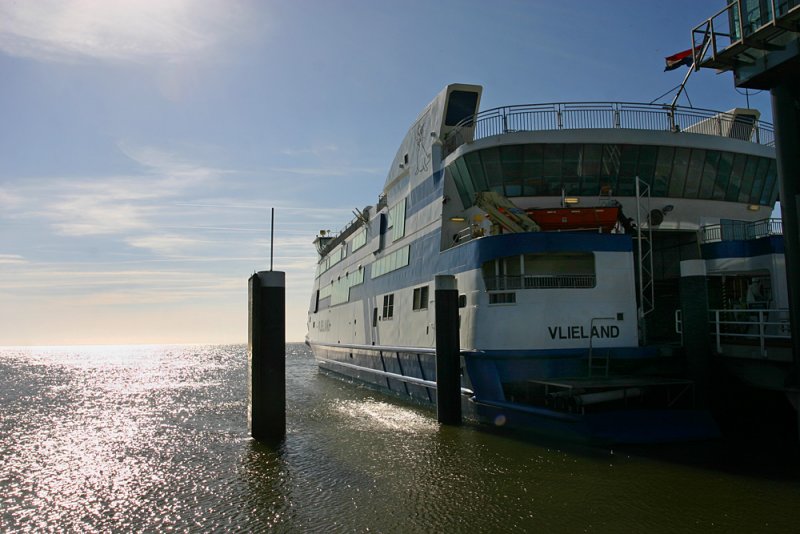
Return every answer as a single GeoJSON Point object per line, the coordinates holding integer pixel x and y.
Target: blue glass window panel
{"type": "Point", "coordinates": [750, 169]}
{"type": "Point", "coordinates": [723, 175]}
{"type": "Point", "coordinates": [695, 174]}
{"type": "Point", "coordinates": [709, 174]}
{"type": "Point", "coordinates": [532, 170]}
{"type": "Point", "coordinates": [663, 171]}
{"type": "Point", "coordinates": [511, 158]}
{"type": "Point", "coordinates": [737, 173]}
{"type": "Point", "coordinates": [680, 167]}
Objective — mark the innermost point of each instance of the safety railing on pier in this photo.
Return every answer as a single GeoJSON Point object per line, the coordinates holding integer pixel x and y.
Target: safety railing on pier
{"type": "Point", "coordinates": [740, 230]}
{"type": "Point", "coordinates": [593, 115]}
{"type": "Point", "coordinates": [761, 328]}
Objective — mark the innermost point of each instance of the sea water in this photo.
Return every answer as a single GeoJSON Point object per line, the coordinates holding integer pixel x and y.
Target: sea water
{"type": "Point", "coordinates": [154, 438]}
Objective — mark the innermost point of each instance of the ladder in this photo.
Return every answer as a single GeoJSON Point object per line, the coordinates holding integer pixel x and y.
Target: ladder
{"type": "Point", "coordinates": [644, 239]}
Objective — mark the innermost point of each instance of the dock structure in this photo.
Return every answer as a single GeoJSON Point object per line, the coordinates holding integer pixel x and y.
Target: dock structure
{"type": "Point", "coordinates": [267, 356]}
{"type": "Point", "coordinates": [759, 42]}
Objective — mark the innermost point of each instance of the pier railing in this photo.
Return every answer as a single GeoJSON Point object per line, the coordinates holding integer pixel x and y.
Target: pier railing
{"type": "Point", "coordinates": [758, 328]}
{"type": "Point", "coordinates": [740, 230]}
{"type": "Point", "coordinates": [593, 115]}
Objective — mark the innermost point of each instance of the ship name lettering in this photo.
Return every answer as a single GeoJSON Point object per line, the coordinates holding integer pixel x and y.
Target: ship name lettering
{"type": "Point", "coordinates": [581, 332]}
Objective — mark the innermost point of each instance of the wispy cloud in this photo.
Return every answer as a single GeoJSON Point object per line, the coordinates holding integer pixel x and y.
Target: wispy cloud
{"type": "Point", "coordinates": [310, 151]}
{"type": "Point", "coordinates": [119, 30]}
{"type": "Point", "coordinates": [327, 171]}
{"type": "Point", "coordinates": [14, 259]}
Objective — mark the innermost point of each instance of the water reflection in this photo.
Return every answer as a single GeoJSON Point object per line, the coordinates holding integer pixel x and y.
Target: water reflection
{"type": "Point", "coordinates": [155, 438]}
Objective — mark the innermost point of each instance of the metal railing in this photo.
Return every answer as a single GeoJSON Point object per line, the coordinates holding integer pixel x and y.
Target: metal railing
{"type": "Point", "coordinates": [734, 23]}
{"type": "Point", "coordinates": [740, 230]}
{"type": "Point", "coordinates": [751, 326]}
{"type": "Point", "coordinates": [593, 115]}
{"type": "Point", "coordinates": [540, 281]}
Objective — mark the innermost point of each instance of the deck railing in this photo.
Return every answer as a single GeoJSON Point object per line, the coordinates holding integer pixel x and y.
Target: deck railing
{"type": "Point", "coordinates": [540, 281]}
{"type": "Point", "coordinates": [750, 327]}
{"type": "Point", "coordinates": [740, 230]}
{"type": "Point", "coordinates": [593, 115]}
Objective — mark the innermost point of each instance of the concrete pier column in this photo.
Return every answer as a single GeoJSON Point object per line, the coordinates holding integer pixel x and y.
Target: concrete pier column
{"type": "Point", "coordinates": [448, 352]}
{"type": "Point", "coordinates": [696, 332]}
{"type": "Point", "coordinates": [786, 116]}
{"type": "Point", "coordinates": [266, 355]}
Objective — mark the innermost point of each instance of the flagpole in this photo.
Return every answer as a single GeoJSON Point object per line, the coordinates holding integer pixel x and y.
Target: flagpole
{"type": "Point", "coordinates": [702, 54]}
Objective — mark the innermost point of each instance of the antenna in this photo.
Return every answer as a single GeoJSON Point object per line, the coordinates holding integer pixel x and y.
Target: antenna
{"type": "Point", "coordinates": [271, 237]}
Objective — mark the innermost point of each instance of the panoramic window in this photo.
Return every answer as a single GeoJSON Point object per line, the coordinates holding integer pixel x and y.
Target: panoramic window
{"type": "Point", "coordinates": [547, 169]}
{"type": "Point", "coordinates": [541, 271]}
{"type": "Point", "coordinates": [460, 105]}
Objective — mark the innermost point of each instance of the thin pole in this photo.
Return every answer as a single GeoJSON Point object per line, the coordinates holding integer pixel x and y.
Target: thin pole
{"type": "Point", "coordinates": [271, 237]}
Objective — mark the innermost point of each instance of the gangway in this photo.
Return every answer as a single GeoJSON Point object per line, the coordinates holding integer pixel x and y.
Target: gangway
{"type": "Point", "coordinates": [503, 212]}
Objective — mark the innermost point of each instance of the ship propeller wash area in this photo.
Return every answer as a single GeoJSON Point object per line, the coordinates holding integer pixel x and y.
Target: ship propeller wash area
{"type": "Point", "coordinates": [612, 261]}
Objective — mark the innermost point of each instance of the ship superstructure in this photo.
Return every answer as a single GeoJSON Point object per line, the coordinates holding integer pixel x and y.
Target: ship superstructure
{"type": "Point", "coordinates": [566, 226]}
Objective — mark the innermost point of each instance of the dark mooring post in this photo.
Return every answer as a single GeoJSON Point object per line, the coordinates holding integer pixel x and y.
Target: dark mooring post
{"type": "Point", "coordinates": [786, 115]}
{"type": "Point", "coordinates": [694, 313]}
{"type": "Point", "coordinates": [448, 352]}
{"type": "Point", "coordinates": [267, 355]}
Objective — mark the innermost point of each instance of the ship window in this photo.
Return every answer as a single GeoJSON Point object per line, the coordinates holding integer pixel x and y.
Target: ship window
{"type": "Point", "coordinates": [569, 169]}
{"type": "Point", "coordinates": [388, 306]}
{"type": "Point", "coordinates": [770, 192]}
{"type": "Point", "coordinates": [695, 173]}
{"type": "Point", "coordinates": [758, 180]}
{"type": "Point", "coordinates": [502, 298]}
{"type": "Point", "coordinates": [397, 220]}
{"type": "Point", "coordinates": [749, 173]}
{"type": "Point", "coordinates": [551, 169]}
{"type": "Point", "coordinates": [647, 164]}
{"type": "Point", "coordinates": [462, 301]}
{"type": "Point", "coordinates": [420, 298]}
{"type": "Point", "coordinates": [723, 175]}
{"type": "Point", "coordinates": [709, 174]}
{"type": "Point", "coordinates": [663, 171]}
{"type": "Point", "coordinates": [460, 105]}
{"type": "Point", "coordinates": [532, 170]}
{"type": "Point", "coordinates": [679, 167]}
{"type": "Point", "coordinates": [629, 155]}
{"type": "Point", "coordinates": [512, 169]}
{"type": "Point", "coordinates": [475, 167]}
{"type": "Point", "coordinates": [541, 271]}
{"type": "Point", "coordinates": [359, 240]}
{"type": "Point", "coordinates": [493, 169]}
{"type": "Point", "coordinates": [465, 184]}
{"type": "Point", "coordinates": [737, 173]}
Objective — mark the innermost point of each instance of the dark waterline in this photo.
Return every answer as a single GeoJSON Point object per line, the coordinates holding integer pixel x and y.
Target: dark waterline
{"type": "Point", "coordinates": [155, 438]}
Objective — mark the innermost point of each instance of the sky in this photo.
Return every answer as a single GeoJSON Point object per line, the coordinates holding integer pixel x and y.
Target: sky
{"type": "Point", "coordinates": [144, 142]}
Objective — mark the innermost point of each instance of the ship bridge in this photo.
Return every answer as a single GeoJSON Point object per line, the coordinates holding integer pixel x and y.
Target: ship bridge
{"type": "Point", "coordinates": [697, 163]}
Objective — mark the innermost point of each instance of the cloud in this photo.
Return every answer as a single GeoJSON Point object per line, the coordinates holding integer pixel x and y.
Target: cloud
{"type": "Point", "coordinates": [118, 30]}
{"type": "Point", "coordinates": [326, 171]}
{"type": "Point", "coordinates": [311, 151]}
{"type": "Point", "coordinates": [164, 245]}
{"type": "Point", "coordinates": [12, 259]}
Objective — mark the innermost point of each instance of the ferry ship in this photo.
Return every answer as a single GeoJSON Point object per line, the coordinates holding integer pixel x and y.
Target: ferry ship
{"type": "Point", "coordinates": [570, 229]}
